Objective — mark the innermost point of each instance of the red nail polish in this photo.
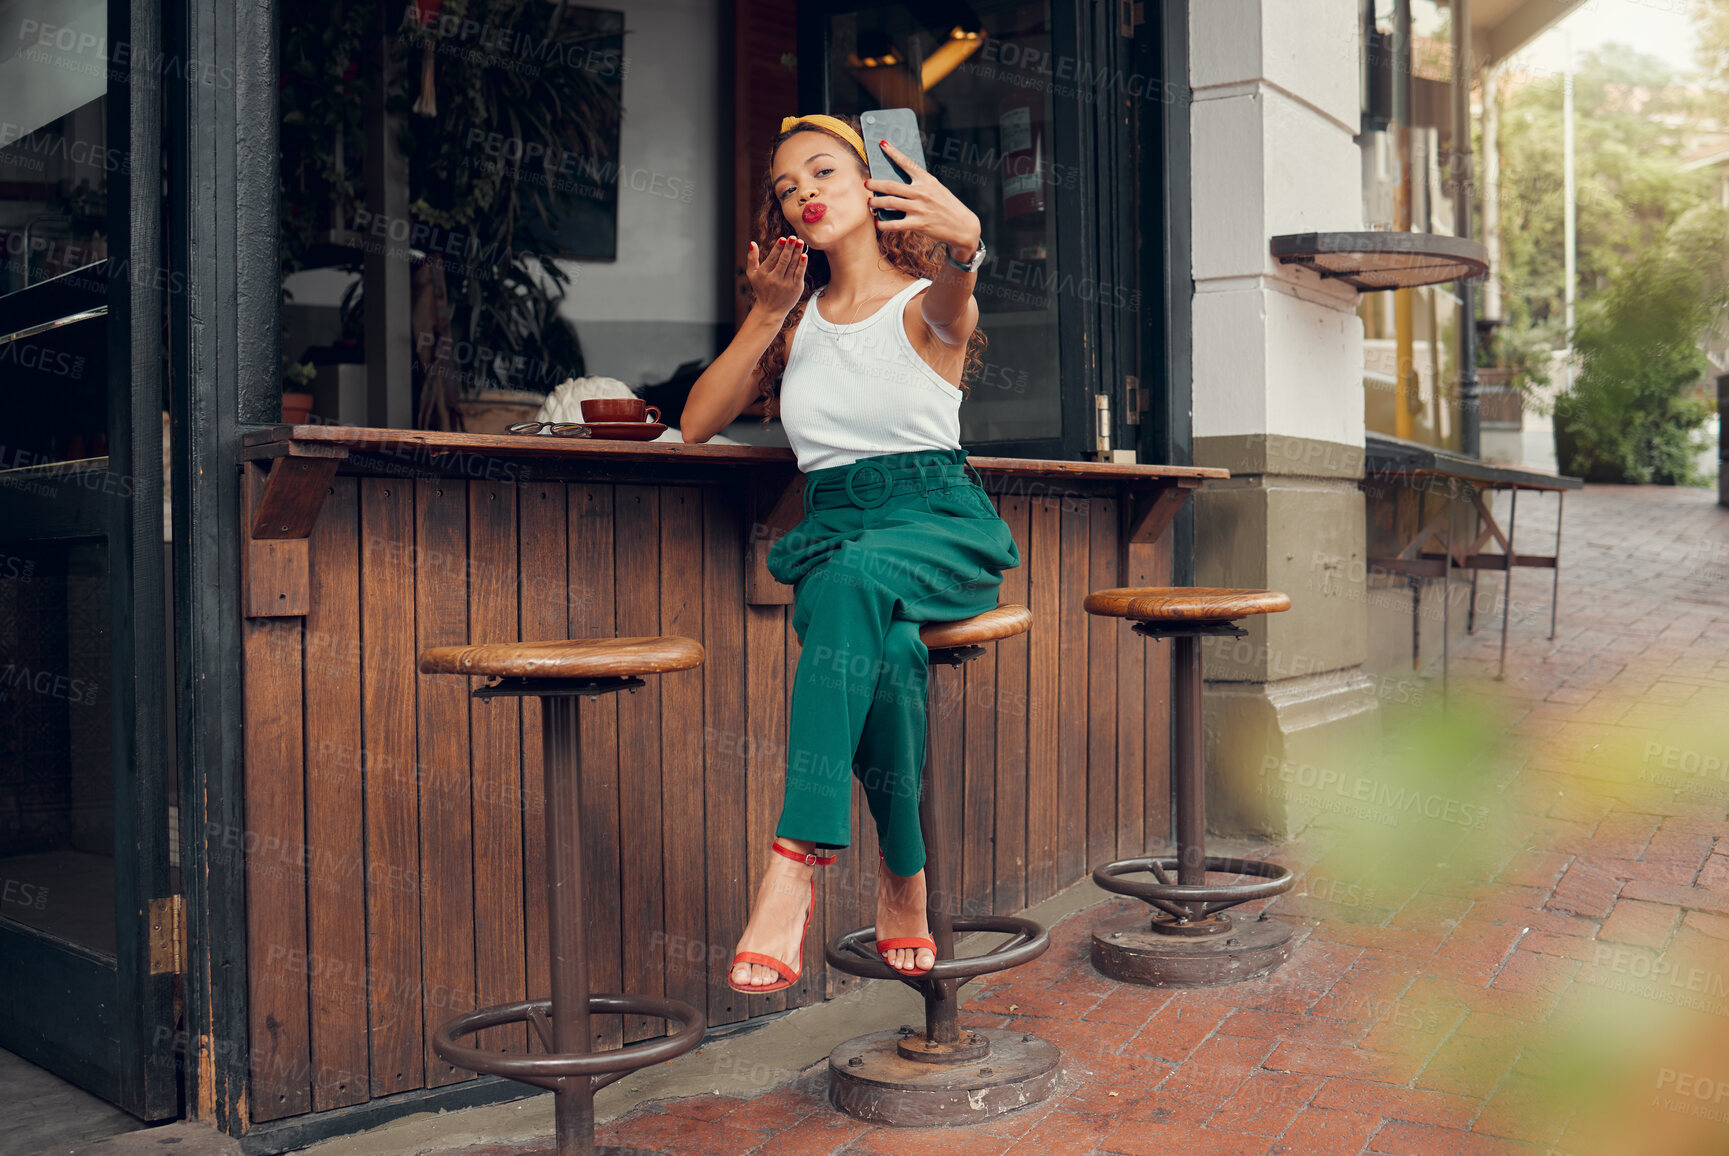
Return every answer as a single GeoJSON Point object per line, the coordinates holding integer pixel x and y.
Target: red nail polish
{"type": "Point", "coordinates": [882, 142]}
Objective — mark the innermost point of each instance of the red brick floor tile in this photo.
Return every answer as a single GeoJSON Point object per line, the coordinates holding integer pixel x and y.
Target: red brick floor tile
{"type": "Point", "coordinates": [1161, 1106]}
{"type": "Point", "coordinates": [1714, 872]}
{"type": "Point", "coordinates": [681, 1134]}
{"type": "Point", "coordinates": [1129, 1004]}
{"type": "Point", "coordinates": [1530, 972]}
{"type": "Point", "coordinates": [1716, 926]}
{"type": "Point", "coordinates": [1265, 1105]}
{"type": "Point", "coordinates": [1540, 869]}
{"type": "Point", "coordinates": [1554, 922]}
{"type": "Point", "coordinates": [1063, 1132]}
{"type": "Point", "coordinates": [1219, 1066]}
{"type": "Point", "coordinates": [1016, 1000]}
{"type": "Point", "coordinates": [1638, 922]}
{"type": "Point", "coordinates": [1524, 1108]}
{"type": "Point", "coordinates": [1682, 846]}
{"type": "Point", "coordinates": [924, 1141]}
{"type": "Point", "coordinates": [1327, 1132]}
{"type": "Point", "coordinates": [1076, 1035]}
{"type": "Point", "coordinates": [820, 1134]}
{"type": "Point", "coordinates": [1416, 1105]}
{"type": "Point", "coordinates": [1355, 1063]}
{"type": "Point", "coordinates": [1401, 1138]}
{"type": "Point", "coordinates": [1261, 1024]}
{"type": "Point", "coordinates": [1177, 1029]}
{"type": "Point", "coordinates": [1623, 836]}
{"type": "Point", "coordinates": [1712, 899]}
{"type": "Point", "coordinates": [1469, 1065]}
{"type": "Point", "coordinates": [1085, 981]}
{"type": "Point", "coordinates": [1670, 871]}
{"type": "Point", "coordinates": [1143, 1139]}
{"type": "Point", "coordinates": [1356, 994]}
{"type": "Point", "coordinates": [1476, 940]}
{"type": "Point", "coordinates": [1585, 890]}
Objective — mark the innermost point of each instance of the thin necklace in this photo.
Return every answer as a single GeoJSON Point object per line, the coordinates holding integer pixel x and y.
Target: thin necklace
{"type": "Point", "coordinates": [875, 301]}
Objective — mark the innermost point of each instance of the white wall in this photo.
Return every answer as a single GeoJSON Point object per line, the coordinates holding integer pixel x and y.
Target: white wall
{"type": "Point", "coordinates": [1275, 113]}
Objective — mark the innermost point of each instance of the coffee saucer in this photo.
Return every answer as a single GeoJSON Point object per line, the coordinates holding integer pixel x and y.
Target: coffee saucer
{"type": "Point", "coordinates": [630, 431]}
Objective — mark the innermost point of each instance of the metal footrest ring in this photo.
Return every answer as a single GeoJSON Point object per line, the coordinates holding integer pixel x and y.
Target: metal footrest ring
{"type": "Point", "coordinates": [552, 1071]}
{"type": "Point", "coordinates": [854, 952]}
{"type": "Point", "coordinates": [1194, 900]}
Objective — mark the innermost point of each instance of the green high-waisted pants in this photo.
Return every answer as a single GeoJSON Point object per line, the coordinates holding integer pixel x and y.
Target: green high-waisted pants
{"type": "Point", "coordinates": [886, 543]}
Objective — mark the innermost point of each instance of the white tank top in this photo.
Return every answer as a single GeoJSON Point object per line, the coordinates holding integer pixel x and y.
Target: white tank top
{"type": "Point", "coordinates": [854, 391]}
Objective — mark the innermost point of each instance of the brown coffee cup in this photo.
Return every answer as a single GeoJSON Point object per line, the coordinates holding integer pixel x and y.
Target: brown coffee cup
{"type": "Point", "coordinates": [601, 409]}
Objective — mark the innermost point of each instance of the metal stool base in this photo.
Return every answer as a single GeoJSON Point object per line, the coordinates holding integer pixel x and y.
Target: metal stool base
{"type": "Point", "coordinates": [1131, 950]}
{"type": "Point", "coordinates": [883, 1087]}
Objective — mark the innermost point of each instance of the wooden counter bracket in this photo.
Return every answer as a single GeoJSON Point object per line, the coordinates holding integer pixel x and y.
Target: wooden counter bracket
{"type": "Point", "coordinates": [776, 506]}
{"type": "Point", "coordinates": [279, 509]}
{"type": "Point", "coordinates": [1151, 514]}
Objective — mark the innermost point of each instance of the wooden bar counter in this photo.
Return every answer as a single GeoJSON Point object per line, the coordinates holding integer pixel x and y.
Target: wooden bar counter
{"type": "Point", "coordinates": [394, 833]}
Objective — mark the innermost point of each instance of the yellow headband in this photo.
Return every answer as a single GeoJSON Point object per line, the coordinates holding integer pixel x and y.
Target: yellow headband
{"type": "Point", "coordinates": [846, 131]}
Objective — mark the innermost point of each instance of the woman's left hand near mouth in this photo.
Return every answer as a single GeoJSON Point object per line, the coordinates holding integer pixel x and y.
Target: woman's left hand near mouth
{"type": "Point", "coordinates": [929, 206]}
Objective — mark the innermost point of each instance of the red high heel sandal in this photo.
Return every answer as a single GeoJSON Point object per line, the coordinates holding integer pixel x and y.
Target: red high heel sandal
{"type": "Point", "coordinates": [884, 946]}
{"type": "Point", "coordinates": [789, 973]}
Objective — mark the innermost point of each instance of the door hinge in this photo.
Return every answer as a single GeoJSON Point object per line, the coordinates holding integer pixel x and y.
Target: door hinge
{"type": "Point", "coordinates": [167, 935]}
{"type": "Point", "coordinates": [1102, 426]}
{"type": "Point", "coordinates": [1131, 14]}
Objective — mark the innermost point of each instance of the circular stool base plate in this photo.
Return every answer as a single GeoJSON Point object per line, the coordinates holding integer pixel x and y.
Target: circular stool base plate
{"type": "Point", "coordinates": [887, 1088]}
{"type": "Point", "coordinates": [1129, 950]}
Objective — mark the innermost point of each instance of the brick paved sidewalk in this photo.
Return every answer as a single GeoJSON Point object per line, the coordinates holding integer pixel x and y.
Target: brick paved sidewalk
{"type": "Point", "coordinates": [1527, 956]}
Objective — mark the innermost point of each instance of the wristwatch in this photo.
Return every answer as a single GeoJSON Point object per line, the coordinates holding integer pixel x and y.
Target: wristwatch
{"type": "Point", "coordinates": [969, 266]}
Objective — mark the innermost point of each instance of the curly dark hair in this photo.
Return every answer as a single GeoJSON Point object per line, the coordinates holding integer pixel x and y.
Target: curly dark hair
{"type": "Point", "coordinates": [908, 250]}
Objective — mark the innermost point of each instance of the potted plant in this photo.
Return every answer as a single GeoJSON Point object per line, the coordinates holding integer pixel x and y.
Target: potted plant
{"type": "Point", "coordinates": [296, 391]}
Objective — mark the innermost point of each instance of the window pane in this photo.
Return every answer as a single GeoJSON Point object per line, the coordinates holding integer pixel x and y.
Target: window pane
{"type": "Point", "coordinates": [56, 777]}
{"type": "Point", "coordinates": [978, 83]}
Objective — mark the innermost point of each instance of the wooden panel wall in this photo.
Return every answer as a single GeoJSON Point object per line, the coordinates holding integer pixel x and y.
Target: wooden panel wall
{"type": "Point", "coordinates": [396, 828]}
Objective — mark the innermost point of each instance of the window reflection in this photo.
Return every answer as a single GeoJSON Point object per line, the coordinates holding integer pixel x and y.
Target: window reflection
{"type": "Point", "coordinates": [976, 78]}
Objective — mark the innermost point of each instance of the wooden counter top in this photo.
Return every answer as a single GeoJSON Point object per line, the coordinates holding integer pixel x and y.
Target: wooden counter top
{"type": "Point", "coordinates": [289, 470]}
{"type": "Point", "coordinates": [336, 441]}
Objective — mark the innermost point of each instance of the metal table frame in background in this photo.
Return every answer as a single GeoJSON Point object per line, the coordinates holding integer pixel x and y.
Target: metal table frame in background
{"type": "Point", "coordinates": [1396, 460]}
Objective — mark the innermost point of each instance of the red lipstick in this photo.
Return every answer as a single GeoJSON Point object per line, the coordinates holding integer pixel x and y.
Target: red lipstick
{"type": "Point", "coordinates": [813, 212]}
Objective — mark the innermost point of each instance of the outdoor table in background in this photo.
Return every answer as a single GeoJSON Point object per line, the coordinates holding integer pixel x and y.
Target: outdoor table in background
{"type": "Point", "coordinates": [1395, 460]}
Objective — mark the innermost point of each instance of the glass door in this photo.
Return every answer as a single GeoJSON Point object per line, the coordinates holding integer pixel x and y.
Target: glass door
{"type": "Point", "coordinates": [1009, 107]}
{"type": "Point", "coordinates": [89, 929]}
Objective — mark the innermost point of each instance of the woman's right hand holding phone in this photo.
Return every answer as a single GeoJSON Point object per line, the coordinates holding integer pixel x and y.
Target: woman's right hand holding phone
{"type": "Point", "coordinates": [777, 278]}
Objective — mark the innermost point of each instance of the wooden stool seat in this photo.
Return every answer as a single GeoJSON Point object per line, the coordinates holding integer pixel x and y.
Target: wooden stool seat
{"type": "Point", "coordinates": [567, 658]}
{"type": "Point", "coordinates": [992, 625]}
{"type": "Point", "coordinates": [1184, 603]}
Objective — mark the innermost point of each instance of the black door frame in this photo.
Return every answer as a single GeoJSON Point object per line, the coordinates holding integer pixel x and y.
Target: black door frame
{"type": "Point", "coordinates": [104, 1024]}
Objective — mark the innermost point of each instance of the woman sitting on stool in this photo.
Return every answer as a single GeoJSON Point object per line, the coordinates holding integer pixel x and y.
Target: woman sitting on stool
{"type": "Point", "coordinates": [867, 327]}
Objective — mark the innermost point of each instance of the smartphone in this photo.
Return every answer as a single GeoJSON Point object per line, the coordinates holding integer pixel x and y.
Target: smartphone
{"type": "Point", "coordinates": [900, 127]}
